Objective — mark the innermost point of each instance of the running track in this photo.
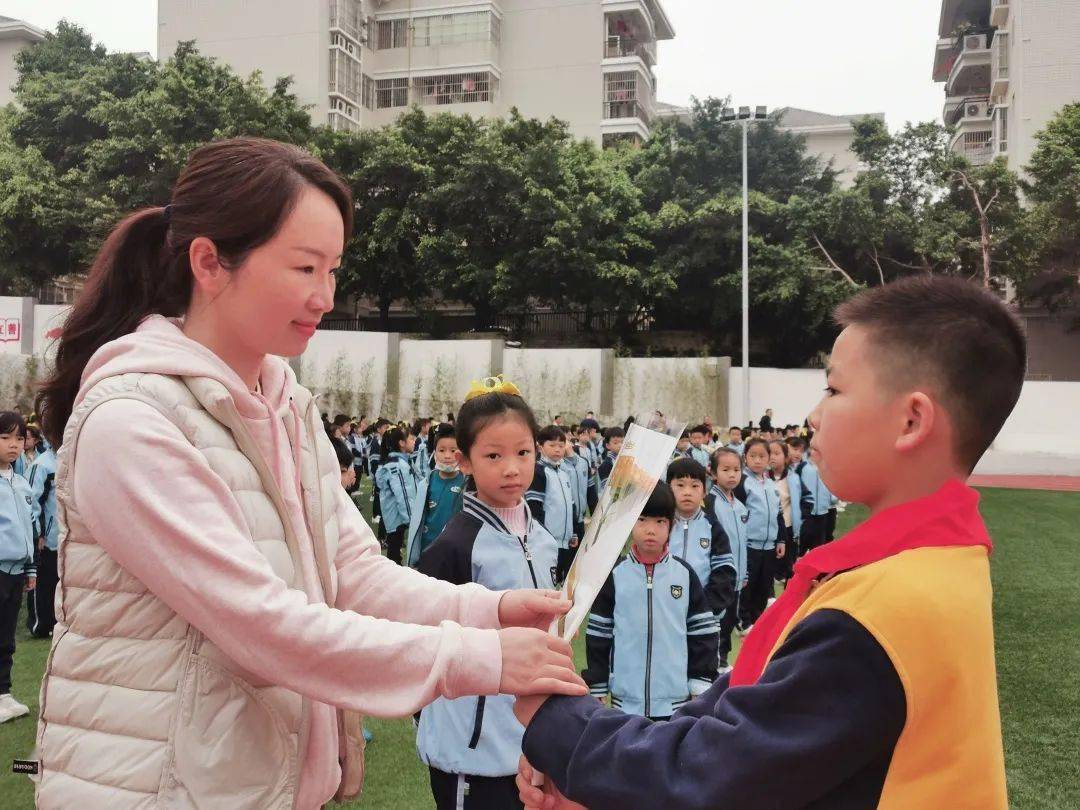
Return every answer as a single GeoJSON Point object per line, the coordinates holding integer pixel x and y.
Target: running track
{"type": "Point", "coordinates": [1055, 483]}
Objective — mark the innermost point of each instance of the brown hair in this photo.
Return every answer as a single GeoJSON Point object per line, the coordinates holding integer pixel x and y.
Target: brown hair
{"type": "Point", "coordinates": [237, 193]}
{"type": "Point", "coordinates": [956, 335]}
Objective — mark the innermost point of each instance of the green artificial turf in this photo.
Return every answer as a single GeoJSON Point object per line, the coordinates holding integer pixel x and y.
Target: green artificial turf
{"type": "Point", "coordinates": [1036, 573]}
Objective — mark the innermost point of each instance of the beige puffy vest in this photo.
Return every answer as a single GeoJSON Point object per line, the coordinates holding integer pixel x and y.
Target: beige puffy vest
{"type": "Point", "coordinates": [138, 708]}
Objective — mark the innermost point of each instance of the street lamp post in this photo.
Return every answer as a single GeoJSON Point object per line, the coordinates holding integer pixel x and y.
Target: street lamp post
{"type": "Point", "coordinates": [745, 117]}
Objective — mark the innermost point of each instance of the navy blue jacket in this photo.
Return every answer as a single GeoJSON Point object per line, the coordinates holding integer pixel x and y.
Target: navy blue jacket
{"type": "Point", "coordinates": [817, 731]}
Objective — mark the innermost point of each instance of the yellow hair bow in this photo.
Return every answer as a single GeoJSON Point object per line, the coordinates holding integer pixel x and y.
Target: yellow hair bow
{"type": "Point", "coordinates": [492, 385]}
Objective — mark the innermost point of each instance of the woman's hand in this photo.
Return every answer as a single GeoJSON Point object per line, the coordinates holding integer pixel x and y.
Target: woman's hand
{"type": "Point", "coordinates": [535, 663]}
{"type": "Point", "coordinates": [532, 608]}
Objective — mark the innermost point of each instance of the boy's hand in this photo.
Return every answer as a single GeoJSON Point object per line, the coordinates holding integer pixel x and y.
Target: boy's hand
{"type": "Point", "coordinates": [30, 584]}
{"type": "Point", "coordinates": [525, 708]}
{"type": "Point", "coordinates": [780, 549]}
{"type": "Point", "coordinates": [532, 608]}
{"type": "Point", "coordinates": [536, 798]}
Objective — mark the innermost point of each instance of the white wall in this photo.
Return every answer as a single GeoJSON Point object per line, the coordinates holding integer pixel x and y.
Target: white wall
{"type": "Point", "coordinates": [556, 381]}
{"type": "Point", "coordinates": [1044, 421]}
{"type": "Point", "coordinates": [349, 369]}
{"type": "Point", "coordinates": [791, 393]}
{"type": "Point", "coordinates": [682, 388]}
{"type": "Point", "coordinates": [435, 375]}
{"type": "Point", "coordinates": [48, 322]}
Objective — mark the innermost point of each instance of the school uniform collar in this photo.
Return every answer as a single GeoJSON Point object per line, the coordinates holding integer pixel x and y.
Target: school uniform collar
{"type": "Point", "coordinates": [546, 462]}
{"type": "Point", "coordinates": [396, 454]}
{"type": "Point", "coordinates": [472, 505]}
{"type": "Point", "coordinates": [692, 518]}
{"type": "Point", "coordinates": [634, 557]}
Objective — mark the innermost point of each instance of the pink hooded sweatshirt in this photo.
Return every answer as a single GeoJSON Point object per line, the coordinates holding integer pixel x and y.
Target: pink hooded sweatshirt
{"type": "Point", "coordinates": [396, 639]}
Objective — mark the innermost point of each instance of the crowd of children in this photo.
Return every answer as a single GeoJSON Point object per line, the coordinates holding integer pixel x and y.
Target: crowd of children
{"type": "Point", "coordinates": [488, 496]}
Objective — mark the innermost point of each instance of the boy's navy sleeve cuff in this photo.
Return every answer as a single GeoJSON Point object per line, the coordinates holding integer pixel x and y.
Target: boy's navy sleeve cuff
{"type": "Point", "coordinates": [560, 724]}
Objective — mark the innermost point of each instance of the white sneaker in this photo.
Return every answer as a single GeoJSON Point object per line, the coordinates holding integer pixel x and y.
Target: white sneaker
{"type": "Point", "coordinates": [723, 671]}
{"type": "Point", "coordinates": [10, 708]}
{"type": "Point", "coordinates": [769, 604]}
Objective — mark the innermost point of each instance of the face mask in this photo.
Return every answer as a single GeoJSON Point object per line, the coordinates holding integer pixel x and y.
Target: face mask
{"type": "Point", "coordinates": [446, 468]}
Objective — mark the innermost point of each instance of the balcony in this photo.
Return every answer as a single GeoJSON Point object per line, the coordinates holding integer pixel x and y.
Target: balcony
{"type": "Point", "coordinates": [967, 110]}
{"type": "Point", "coordinates": [999, 13]}
{"type": "Point", "coordinates": [975, 143]}
{"type": "Point", "coordinates": [625, 47]}
{"type": "Point", "coordinates": [970, 74]}
{"type": "Point", "coordinates": [999, 66]}
{"type": "Point", "coordinates": [346, 18]}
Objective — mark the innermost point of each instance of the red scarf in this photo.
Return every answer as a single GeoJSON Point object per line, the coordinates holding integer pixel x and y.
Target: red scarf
{"type": "Point", "coordinates": [949, 517]}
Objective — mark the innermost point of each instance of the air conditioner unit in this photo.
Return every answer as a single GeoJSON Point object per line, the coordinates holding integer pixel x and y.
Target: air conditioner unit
{"type": "Point", "coordinates": [973, 110]}
{"type": "Point", "coordinates": [975, 42]}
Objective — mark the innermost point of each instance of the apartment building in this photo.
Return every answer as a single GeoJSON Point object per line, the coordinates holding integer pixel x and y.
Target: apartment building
{"type": "Point", "coordinates": [1008, 66]}
{"type": "Point", "coordinates": [14, 36]}
{"type": "Point", "coordinates": [361, 63]}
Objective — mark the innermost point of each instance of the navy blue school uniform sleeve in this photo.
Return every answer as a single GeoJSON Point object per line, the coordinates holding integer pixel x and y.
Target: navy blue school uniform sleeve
{"type": "Point", "coordinates": [605, 470]}
{"type": "Point", "coordinates": [720, 589]}
{"type": "Point", "coordinates": [599, 638]}
{"type": "Point", "coordinates": [702, 638]}
{"type": "Point", "coordinates": [822, 721]}
{"type": "Point", "coordinates": [536, 493]}
{"type": "Point", "coordinates": [449, 558]}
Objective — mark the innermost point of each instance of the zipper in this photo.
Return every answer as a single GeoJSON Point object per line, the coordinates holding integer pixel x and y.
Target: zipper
{"type": "Point", "coordinates": [648, 646]}
{"type": "Point", "coordinates": [478, 722]}
{"type": "Point", "coordinates": [528, 559]}
{"type": "Point", "coordinates": [685, 537]}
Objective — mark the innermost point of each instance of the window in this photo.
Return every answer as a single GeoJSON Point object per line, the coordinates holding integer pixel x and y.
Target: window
{"type": "Point", "coordinates": [392, 34]}
{"type": "Point", "coordinates": [345, 14]}
{"type": "Point", "coordinates": [1002, 128]}
{"type": "Point", "coordinates": [367, 86]}
{"type": "Point", "coordinates": [340, 123]}
{"type": "Point", "coordinates": [460, 88]}
{"type": "Point", "coordinates": [344, 75]}
{"type": "Point", "coordinates": [391, 93]}
{"type": "Point", "coordinates": [444, 29]}
{"type": "Point", "coordinates": [620, 95]}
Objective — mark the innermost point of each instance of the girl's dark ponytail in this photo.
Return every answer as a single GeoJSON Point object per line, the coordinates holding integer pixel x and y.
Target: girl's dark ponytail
{"type": "Point", "coordinates": [237, 193]}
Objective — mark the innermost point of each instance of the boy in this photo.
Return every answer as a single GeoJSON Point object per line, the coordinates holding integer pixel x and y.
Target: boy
{"type": "Point", "coordinates": [816, 501]}
{"type": "Point", "coordinates": [698, 539]}
{"type": "Point", "coordinates": [651, 634]}
{"type": "Point", "coordinates": [579, 466]}
{"type": "Point", "coordinates": [682, 446]}
{"type": "Point", "coordinates": [735, 441]}
{"type": "Point", "coordinates": [921, 380]}
{"type": "Point", "coordinates": [613, 439]}
{"type": "Point", "coordinates": [17, 572]}
{"type": "Point", "coordinates": [40, 614]}
{"type": "Point", "coordinates": [698, 436]}
{"type": "Point", "coordinates": [733, 516]}
{"type": "Point", "coordinates": [591, 451]}
{"type": "Point", "coordinates": [551, 496]}
{"type": "Point", "coordinates": [439, 495]}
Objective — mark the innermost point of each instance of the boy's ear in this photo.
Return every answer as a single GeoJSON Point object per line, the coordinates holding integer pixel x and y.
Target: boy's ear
{"type": "Point", "coordinates": [920, 416]}
{"type": "Point", "coordinates": [463, 462]}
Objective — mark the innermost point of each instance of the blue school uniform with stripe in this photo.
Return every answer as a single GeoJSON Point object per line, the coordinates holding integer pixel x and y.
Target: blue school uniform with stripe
{"type": "Point", "coordinates": [43, 496]}
{"type": "Point", "coordinates": [765, 526]}
{"type": "Point", "coordinates": [651, 638]}
{"type": "Point", "coordinates": [551, 500]}
{"type": "Point", "coordinates": [480, 736]}
{"type": "Point", "coordinates": [397, 491]}
{"type": "Point", "coordinates": [437, 500]}
{"type": "Point", "coordinates": [818, 497]}
{"type": "Point", "coordinates": [733, 517]}
{"type": "Point", "coordinates": [16, 526]}
{"type": "Point", "coordinates": [580, 468]}
{"type": "Point", "coordinates": [701, 542]}
{"type": "Point", "coordinates": [798, 494]}
{"type": "Point", "coordinates": [700, 455]}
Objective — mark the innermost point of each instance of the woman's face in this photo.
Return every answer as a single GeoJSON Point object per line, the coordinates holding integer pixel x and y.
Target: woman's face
{"type": "Point", "coordinates": [273, 302]}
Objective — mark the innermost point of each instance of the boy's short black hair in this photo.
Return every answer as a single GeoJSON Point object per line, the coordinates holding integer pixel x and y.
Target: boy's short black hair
{"type": "Point", "coordinates": [687, 468]}
{"type": "Point", "coordinates": [442, 430]}
{"type": "Point", "coordinates": [797, 442]}
{"type": "Point", "coordinates": [551, 433]}
{"type": "Point", "coordinates": [613, 433]}
{"type": "Point", "coordinates": [702, 429]}
{"type": "Point", "coordinates": [958, 337]}
{"type": "Point", "coordinates": [344, 454]}
{"type": "Point", "coordinates": [734, 427]}
{"type": "Point", "coordinates": [684, 435]}
{"type": "Point", "coordinates": [714, 460]}
{"type": "Point", "coordinates": [661, 503]}
{"type": "Point", "coordinates": [11, 422]}
{"type": "Point", "coordinates": [589, 423]}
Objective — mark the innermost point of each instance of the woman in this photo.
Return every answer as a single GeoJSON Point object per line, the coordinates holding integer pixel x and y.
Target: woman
{"type": "Point", "coordinates": [221, 600]}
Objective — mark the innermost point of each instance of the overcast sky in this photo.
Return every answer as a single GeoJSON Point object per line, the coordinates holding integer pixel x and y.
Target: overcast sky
{"type": "Point", "coordinates": [835, 56]}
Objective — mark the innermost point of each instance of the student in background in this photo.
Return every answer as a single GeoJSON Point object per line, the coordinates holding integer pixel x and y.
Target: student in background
{"type": "Point", "coordinates": [551, 496]}
{"type": "Point", "coordinates": [17, 572]}
{"type": "Point", "coordinates": [397, 487]}
{"type": "Point", "coordinates": [438, 496]}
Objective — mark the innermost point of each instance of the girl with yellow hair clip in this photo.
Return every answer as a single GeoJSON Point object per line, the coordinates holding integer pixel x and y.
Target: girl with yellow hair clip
{"type": "Point", "coordinates": [472, 745]}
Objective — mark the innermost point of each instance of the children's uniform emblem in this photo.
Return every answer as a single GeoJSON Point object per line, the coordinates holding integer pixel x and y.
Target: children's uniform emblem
{"type": "Point", "coordinates": [455, 490]}
{"type": "Point", "coordinates": [704, 542]}
{"type": "Point", "coordinates": [676, 591]}
{"type": "Point", "coordinates": [746, 518]}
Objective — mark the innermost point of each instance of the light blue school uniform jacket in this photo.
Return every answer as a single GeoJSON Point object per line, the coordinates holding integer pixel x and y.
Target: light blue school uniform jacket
{"type": "Point", "coordinates": [551, 500]}
{"type": "Point", "coordinates": [480, 736]}
{"type": "Point", "coordinates": [765, 526]}
{"type": "Point", "coordinates": [16, 526]}
{"type": "Point", "coordinates": [397, 490]}
{"type": "Point", "coordinates": [651, 638]}
{"type": "Point", "coordinates": [733, 516]}
{"type": "Point", "coordinates": [42, 480]}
